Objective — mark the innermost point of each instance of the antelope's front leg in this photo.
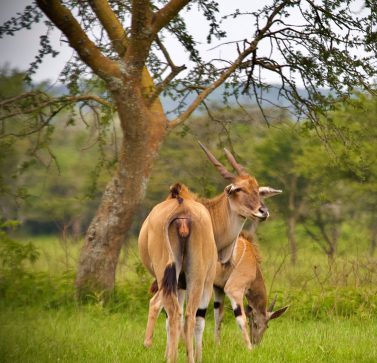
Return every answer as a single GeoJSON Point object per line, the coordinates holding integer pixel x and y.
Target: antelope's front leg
{"type": "Point", "coordinates": [218, 310]}
{"type": "Point", "coordinates": [236, 299]}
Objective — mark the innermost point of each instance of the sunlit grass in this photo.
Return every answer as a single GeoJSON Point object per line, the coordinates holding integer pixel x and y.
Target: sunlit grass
{"type": "Point", "coordinates": [91, 334]}
{"type": "Point", "coordinates": [332, 314]}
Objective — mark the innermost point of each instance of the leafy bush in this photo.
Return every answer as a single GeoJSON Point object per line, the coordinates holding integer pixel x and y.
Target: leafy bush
{"type": "Point", "coordinates": [14, 254]}
{"type": "Point", "coordinates": [20, 286]}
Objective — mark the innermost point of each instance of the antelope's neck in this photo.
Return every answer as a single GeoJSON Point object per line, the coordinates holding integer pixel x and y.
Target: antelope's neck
{"type": "Point", "coordinates": [226, 224]}
{"type": "Point", "coordinates": [257, 295]}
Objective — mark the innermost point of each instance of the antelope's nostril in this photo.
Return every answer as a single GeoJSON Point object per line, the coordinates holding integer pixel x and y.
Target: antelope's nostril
{"type": "Point", "coordinates": [264, 211]}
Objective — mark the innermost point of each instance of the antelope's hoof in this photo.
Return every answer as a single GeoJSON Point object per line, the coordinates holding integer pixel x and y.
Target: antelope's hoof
{"type": "Point", "coordinates": [147, 343]}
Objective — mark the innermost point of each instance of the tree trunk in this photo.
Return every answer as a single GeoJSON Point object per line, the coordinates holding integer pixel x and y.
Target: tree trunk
{"type": "Point", "coordinates": [144, 129]}
{"type": "Point", "coordinates": [291, 224]}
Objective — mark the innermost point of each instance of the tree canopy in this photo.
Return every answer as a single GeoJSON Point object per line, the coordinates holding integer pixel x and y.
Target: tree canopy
{"type": "Point", "coordinates": [329, 44]}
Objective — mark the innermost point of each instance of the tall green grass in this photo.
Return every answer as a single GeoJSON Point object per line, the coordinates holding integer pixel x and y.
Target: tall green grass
{"type": "Point", "coordinates": [332, 314]}
{"type": "Point", "coordinates": [91, 334]}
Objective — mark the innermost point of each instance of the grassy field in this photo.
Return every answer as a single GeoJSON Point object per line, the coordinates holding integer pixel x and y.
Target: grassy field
{"type": "Point", "coordinates": [93, 335]}
{"type": "Point", "coordinates": [332, 315]}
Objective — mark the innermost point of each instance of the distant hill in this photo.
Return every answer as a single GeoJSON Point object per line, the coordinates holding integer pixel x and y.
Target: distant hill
{"type": "Point", "coordinates": [271, 98]}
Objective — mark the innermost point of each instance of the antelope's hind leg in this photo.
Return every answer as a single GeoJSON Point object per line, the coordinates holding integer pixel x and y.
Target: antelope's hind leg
{"type": "Point", "coordinates": [194, 293]}
{"type": "Point", "coordinates": [155, 306]}
{"type": "Point", "coordinates": [181, 300]}
{"type": "Point", "coordinates": [172, 308]}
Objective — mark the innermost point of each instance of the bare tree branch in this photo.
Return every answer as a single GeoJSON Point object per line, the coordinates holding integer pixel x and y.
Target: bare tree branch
{"type": "Point", "coordinates": [112, 25]}
{"type": "Point", "coordinates": [229, 71]}
{"type": "Point", "coordinates": [175, 70]}
{"type": "Point", "coordinates": [86, 49]}
{"type": "Point", "coordinates": [165, 53]}
{"type": "Point", "coordinates": [167, 13]}
{"type": "Point", "coordinates": [36, 101]}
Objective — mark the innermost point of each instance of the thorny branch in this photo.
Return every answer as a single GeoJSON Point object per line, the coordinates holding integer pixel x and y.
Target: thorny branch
{"type": "Point", "coordinates": [232, 68]}
{"type": "Point", "coordinates": [36, 101]}
{"type": "Point", "coordinates": [89, 53]}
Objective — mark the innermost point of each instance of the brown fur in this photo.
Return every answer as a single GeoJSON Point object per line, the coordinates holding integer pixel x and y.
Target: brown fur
{"type": "Point", "coordinates": [243, 276]}
{"type": "Point", "coordinates": [176, 238]}
{"type": "Point", "coordinates": [179, 190]}
{"type": "Point", "coordinates": [219, 210]}
{"type": "Point", "coordinates": [228, 212]}
{"type": "Point", "coordinates": [247, 236]}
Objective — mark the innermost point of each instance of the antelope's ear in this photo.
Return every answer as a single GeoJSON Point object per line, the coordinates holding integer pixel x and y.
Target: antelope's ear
{"type": "Point", "coordinates": [277, 313]}
{"type": "Point", "coordinates": [231, 188]}
{"type": "Point", "coordinates": [267, 192]}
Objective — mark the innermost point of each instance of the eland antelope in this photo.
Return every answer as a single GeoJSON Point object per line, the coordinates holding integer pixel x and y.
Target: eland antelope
{"type": "Point", "coordinates": [177, 238]}
{"type": "Point", "coordinates": [242, 276]}
{"type": "Point", "coordinates": [241, 199]}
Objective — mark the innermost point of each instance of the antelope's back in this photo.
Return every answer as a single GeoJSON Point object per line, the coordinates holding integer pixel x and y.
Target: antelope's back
{"type": "Point", "coordinates": [152, 244]}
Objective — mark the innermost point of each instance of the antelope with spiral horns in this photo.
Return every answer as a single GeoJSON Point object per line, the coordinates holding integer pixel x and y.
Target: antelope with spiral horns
{"type": "Point", "coordinates": [177, 238]}
{"type": "Point", "coordinates": [241, 199]}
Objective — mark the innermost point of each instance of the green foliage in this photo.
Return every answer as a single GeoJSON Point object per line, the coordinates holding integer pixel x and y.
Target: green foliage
{"type": "Point", "coordinates": [20, 285]}
{"type": "Point", "coordinates": [13, 257]}
{"type": "Point", "coordinates": [13, 254]}
{"type": "Point", "coordinates": [321, 47]}
{"type": "Point", "coordinates": [314, 176]}
{"type": "Point", "coordinates": [11, 82]}
{"type": "Point", "coordinates": [313, 288]}
{"type": "Point", "coordinates": [52, 172]}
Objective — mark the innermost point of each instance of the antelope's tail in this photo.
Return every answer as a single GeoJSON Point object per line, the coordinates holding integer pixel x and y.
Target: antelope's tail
{"type": "Point", "coordinates": [182, 224]}
{"type": "Point", "coordinates": [169, 281]}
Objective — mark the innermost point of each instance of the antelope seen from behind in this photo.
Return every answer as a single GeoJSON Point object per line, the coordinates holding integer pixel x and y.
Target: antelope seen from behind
{"type": "Point", "coordinates": [177, 238]}
{"type": "Point", "coordinates": [242, 276]}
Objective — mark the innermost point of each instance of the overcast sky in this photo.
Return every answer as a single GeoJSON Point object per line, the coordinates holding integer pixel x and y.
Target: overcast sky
{"type": "Point", "coordinates": [20, 50]}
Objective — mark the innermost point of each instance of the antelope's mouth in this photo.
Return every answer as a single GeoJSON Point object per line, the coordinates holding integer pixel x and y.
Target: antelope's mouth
{"type": "Point", "coordinates": [255, 216]}
{"type": "Point", "coordinates": [260, 216]}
